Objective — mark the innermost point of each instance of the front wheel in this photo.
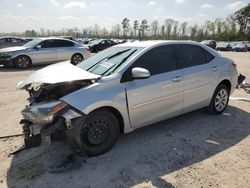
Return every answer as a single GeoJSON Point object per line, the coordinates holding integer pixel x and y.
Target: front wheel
{"type": "Point", "coordinates": [219, 100]}
{"type": "Point", "coordinates": [22, 62]}
{"type": "Point", "coordinates": [94, 135]}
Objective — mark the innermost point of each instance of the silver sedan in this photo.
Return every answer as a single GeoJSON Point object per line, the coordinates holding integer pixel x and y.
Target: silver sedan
{"type": "Point", "coordinates": [123, 88]}
{"type": "Point", "coordinates": [43, 50]}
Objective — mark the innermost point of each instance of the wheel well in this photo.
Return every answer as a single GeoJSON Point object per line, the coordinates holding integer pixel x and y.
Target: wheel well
{"type": "Point", "coordinates": [25, 56]}
{"type": "Point", "coordinates": [117, 114]}
{"type": "Point", "coordinates": [227, 83]}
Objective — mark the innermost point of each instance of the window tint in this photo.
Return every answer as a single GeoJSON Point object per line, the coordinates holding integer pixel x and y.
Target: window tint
{"type": "Point", "coordinates": [158, 60]}
{"type": "Point", "coordinates": [47, 44]}
{"type": "Point", "coordinates": [63, 43]}
{"type": "Point", "coordinates": [189, 55]}
{"type": "Point", "coordinates": [208, 57]}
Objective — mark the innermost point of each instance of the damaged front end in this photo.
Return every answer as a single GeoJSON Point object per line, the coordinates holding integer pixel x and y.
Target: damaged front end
{"type": "Point", "coordinates": [46, 118]}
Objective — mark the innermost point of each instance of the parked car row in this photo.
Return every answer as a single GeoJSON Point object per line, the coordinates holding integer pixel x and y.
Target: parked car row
{"type": "Point", "coordinates": [227, 46]}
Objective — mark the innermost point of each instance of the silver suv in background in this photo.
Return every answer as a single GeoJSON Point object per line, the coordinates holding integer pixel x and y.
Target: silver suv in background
{"type": "Point", "coordinates": [123, 88]}
{"type": "Point", "coordinates": [43, 50]}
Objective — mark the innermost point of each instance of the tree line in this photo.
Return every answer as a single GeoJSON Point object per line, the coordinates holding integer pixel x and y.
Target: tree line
{"type": "Point", "coordinates": [232, 28]}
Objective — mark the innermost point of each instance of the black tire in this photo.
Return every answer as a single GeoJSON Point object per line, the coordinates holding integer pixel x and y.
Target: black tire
{"type": "Point", "coordinates": [96, 49]}
{"type": "Point", "coordinates": [76, 58]}
{"type": "Point", "coordinates": [94, 135]}
{"type": "Point", "coordinates": [22, 62]}
{"type": "Point", "coordinates": [218, 102]}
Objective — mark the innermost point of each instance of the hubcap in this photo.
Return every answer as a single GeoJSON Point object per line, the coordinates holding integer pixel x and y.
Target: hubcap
{"type": "Point", "coordinates": [77, 59]}
{"type": "Point", "coordinates": [98, 132]}
{"type": "Point", "coordinates": [221, 100]}
{"type": "Point", "coordinates": [23, 62]}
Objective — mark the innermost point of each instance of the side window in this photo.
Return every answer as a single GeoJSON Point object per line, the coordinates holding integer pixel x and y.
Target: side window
{"type": "Point", "coordinates": [13, 40]}
{"type": "Point", "coordinates": [63, 43]}
{"type": "Point", "coordinates": [189, 55]}
{"type": "Point", "coordinates": [208, 57]}
{"type": "Point", "coordinates": [47, 44]}
{"type": "Point", "coordinates": [7, 40]}
{"type": "Point", "coordinates": [157, 60]}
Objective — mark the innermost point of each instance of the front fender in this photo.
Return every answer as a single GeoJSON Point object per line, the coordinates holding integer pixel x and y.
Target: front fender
{"type": "Point", "coordinates": [101, 95]}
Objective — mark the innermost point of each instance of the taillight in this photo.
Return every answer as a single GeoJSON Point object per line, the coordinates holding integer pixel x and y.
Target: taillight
{"type": "Point", "coordinates": [234, 64]}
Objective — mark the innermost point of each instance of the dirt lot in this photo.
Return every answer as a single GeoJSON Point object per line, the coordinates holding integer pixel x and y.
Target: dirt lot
{"type": "Point", "coordinates": [193, 150]}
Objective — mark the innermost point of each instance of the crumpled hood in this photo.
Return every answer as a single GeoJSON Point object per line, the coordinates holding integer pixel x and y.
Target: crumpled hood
{"type": "Point", "coordinates": [57, 73]}
{"type": "Point", "coordinates": [12, 49]}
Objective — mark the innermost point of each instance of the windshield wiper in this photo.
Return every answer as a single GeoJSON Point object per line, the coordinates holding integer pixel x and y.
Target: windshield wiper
{"type": "Point", "coordinates": [115, 66]}
{"type": "Point", "coordinates": [109, 57]}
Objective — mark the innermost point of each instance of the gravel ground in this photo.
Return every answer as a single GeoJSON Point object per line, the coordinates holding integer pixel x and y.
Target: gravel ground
{"type": "Point", "coordinates": [192, 150]}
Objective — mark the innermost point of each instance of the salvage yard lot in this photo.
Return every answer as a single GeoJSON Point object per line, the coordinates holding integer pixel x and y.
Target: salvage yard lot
{"type": "Point", "coordinates": [193, 150]}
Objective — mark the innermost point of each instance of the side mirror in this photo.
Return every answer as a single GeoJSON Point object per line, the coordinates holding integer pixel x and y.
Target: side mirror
{"type": "Point", "coordinates": [140, 73]}
{"type": "Point", "coordinates": [38, 47]}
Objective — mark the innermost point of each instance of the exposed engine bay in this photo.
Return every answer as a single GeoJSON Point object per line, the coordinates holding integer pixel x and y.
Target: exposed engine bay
{"type": "Point", "coordinates": [48, 92]}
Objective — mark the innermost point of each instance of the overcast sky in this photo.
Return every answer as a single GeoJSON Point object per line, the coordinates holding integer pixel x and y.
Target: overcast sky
{"type": "Point", "coordinates": [19, 15]}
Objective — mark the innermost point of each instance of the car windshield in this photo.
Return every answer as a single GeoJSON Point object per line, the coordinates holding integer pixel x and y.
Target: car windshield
{"type": "Point", "coordinates": [109, 60]}
{"type": "Point", "coordinates": [32, 43]}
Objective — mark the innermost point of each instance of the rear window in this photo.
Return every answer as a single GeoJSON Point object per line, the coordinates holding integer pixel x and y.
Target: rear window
{"type": "Point", "coordinates": [191, 55]}
{"type": "Point", "coordinates": [208, 57]}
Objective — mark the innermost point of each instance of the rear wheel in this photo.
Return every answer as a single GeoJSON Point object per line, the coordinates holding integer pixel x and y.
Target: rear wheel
{"type": "Point", "coordinates": [22, 62]}
{"type": "Point", "coordinates": [76, 58]}
{"type": "Point", "coordinates": [219, 100]}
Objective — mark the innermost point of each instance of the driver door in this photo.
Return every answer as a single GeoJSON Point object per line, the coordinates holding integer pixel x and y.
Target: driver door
{"type": "Point", "coordinates": [47, 52]}
{"type": "Point", "coordinates": [159, 96]}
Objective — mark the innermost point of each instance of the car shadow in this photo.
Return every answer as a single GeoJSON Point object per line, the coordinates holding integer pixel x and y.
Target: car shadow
{"type": "Point", "coordinates": [146, 154]}
{"type": "Point", "coordinates": [33, 68]}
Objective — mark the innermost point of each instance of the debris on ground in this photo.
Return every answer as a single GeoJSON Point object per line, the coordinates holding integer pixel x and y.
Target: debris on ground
{"type": "Point", "coordinates": [226, 114]}
{"type": "Point", "coordinates": [246, 99]}
{"type": "Point", "coordinates": [243, 84]}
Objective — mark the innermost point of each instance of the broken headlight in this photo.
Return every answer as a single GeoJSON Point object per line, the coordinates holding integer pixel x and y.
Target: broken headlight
{"type": "Point", "coordinates": [43, 113]}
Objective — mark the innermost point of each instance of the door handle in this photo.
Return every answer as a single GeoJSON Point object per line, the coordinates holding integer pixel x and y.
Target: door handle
{"type": "Point", "coordinates": [214, 68]}
{"type": "Point", "coordinates": [177, 79]}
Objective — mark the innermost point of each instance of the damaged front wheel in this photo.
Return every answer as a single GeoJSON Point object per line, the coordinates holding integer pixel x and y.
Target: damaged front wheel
{"type": "Point", "coordinates": [98, 132]}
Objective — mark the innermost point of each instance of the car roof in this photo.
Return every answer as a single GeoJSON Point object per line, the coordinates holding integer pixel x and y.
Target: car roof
{"type": "Point", "coordinates": [150, 43]}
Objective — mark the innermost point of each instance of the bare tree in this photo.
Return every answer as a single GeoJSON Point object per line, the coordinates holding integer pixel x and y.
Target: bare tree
{"type": "Point", "coordinates": [176, 24]}
{"type": "Point", "coordinates": [136, 27]}
{"type": "Point", "coordinates": [144, 27]}
{"type": "Point", "coordinates": [116, 29]}
{"type": "Point", "coordinates": [183, 28]}
{"type": "Point", "coordinates": [155, 27]}
{"type": "Point", "coordinates": [169, 24]}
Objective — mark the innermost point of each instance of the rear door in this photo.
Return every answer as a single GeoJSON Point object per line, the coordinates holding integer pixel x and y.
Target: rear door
{"type": "Point", "coordinates": [200, 72]}
{"type": "Point", "coordinates": [64, 49]}
{"type": "Point", "coordinates": [159, 96]}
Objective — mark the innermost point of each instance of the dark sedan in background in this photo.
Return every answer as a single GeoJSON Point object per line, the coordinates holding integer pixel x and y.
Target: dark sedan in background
{"type": "Point", "coordinates": [99, 45]}
{"type": "Point", "coordinates": [223, 46]}
{"type": "Point", "coordinates": [11, 41]}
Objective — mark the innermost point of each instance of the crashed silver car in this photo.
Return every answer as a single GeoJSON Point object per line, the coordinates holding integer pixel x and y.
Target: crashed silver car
{"type": "Point", "coordinates": [123, 88]}
{"type": "Point", "coordinates": [43, 50]}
